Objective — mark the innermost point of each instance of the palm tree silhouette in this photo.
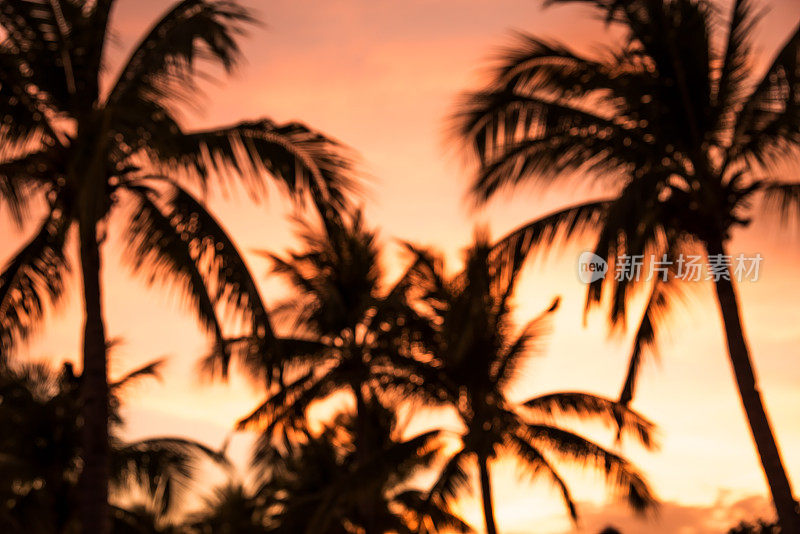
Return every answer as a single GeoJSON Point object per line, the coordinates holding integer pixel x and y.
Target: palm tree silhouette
{"type": "Point", "coordinates": [85, 151]}
{"type": "Point", "coordinates": [681, 132]}
{"type": "Point", "coordinates": [477, 357]}
{"type": "Point", "coordinates": [40, 452]}
{"type": "Point", "coordinates": [349, 332]}
{"type": "Point", "coordinates": [319, 482]}
{"type": "Point", "coordinates": [230, 508]}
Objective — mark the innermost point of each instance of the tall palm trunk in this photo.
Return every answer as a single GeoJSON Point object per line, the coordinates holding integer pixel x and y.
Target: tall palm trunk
{"type": "Point", "coordinates": [486, 494]}
{"type": "Point", "coordinates": [363, 443]}
{"type": "Point", "coordinates": [93, 496]}
{"type": "Point", "coordinates": [768, 452]}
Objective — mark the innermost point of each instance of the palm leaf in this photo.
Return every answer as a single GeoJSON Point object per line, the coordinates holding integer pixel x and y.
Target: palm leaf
{"type": "Point", "coordinates": [536, 463]}
{"type": "Point", "coordinates": [622, 477]}
{"type": "Point", "coordinates": [584, 405]}
{"type": "Point", "coordinates": [157, 247]}
{"type": "Point", "coordinates": [767, 128]}
{"type": "Point", "coordinates": [36, 272]}
{"type": "Point", "coordinates": [783, 197]}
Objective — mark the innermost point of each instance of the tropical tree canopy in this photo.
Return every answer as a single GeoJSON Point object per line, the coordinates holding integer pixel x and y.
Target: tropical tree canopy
{"type": "Point", "coordinates": [671, 121]}
{"type": "Point", "coordinates": [40, 460]}
{"type": "Point", "coordinates": [78, 141]}
{"type": "Point", "coordinates": [348, 329]}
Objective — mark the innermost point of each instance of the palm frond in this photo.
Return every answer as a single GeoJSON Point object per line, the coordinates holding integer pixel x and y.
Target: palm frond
{"type": "Point", "coordinates": [37, 58]}
{"type": "Point", "coordinates": [528, 340]}
{"type": "Point", "coordinates": [585, 406]}
{"type": "Point", "coordinates": [226, 275]}
{"type": "Point", "coordinates": [783, 197]}
{"type": "Point", "coordinates": [430, 516]}
{"type": "Point", "coordinates": [767, 128]}
{"type": "Point", "coordinates": [510, 253]}
{"type": "Point", "coordinates": [22, 176]}
{"type": "Point", "coordinates": [536, 463]}
{"type": "Point", "coordinates": [639, 223]}
{"type": "Point", "coordinates": [621, 476]}
{"type": "Point", "coordinates": [157, 247]}
{"type": "Point", "coordinates": [453, 478]}
{"type": "Point", "coordinates": [734, 72]}
{"type": "Point", "coordinates": [150, 370]}
{"type": "Point", "coordinates": [531, 64]}
{"type": "Point", "coordinates": [163, 467]}
{"type": "Point", "coordinates": [289, 402]}
{"type": "Point", "coordinates": [163, 64]}
{"type": "Point", "coordinates": [531, 138]}
{"type": "Point", "coordinates": [658, 305]}
{"type": "Point", "coordinates": [33, 276]}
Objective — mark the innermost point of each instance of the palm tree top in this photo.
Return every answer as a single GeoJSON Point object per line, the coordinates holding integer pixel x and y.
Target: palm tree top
{"type": "Point", "coordinates": [64, 111]}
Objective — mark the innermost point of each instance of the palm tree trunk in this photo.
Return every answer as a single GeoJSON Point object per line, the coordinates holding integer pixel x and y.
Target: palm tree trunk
{"type": "Point", "coordinates": [93, 495]}
{"type": "Point", "coordinates": [364, 443]}
{"type": "Point", "coordinates": [760, 428]}
{"type": "Point", "coordinates": [486, 494]}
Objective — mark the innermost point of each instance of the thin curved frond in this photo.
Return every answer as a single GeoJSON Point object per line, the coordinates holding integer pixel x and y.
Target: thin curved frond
{"type": "Point", "coordinates": [150, 370]}
{"type": "Point", "coordinates": [35, 275]}
{"type": "Point", "coordinates": [164, 64]}
{"type": "Point", "coordinates": [164, 468]}
{"type": "Point", "coordinates": [730, 86]}
{"type": "Point", "coordinates": [453, 478]}
{"type": "Point", "coordinates": [528, 342]}
{"type": "Point", "coordinates": [768, 127]}
{"type": "Point", "coordinates": [510, 253]}
{"type": "Point", "coordinates": [783, 198]}
{"type": "Point", "coordinates": [536, 464]}
{"type": "Point", "coordinates": [621, 476]}
{"type": "Point", "coordinates": [586, 406]}
{"type": "Point", "coordinates": [230, 284]}
{"type": "Point", "coordinates": [157, 247]}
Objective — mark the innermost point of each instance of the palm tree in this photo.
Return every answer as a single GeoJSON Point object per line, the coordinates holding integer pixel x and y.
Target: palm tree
{"type": "Point", "coordinates": [40, 452]}
{"type": "Point", "coordinates": [231, 508]}
{"type": "Point", "coordinates": [348, 331]}
{"type": "Point", "coordinates": [83, 151]}
{"type": "Point", "coordinates": [477, 356]}
{"type": "Point", "coordinates": [319, 482]}
{"type": "Point", "coordinates": [682, 132]}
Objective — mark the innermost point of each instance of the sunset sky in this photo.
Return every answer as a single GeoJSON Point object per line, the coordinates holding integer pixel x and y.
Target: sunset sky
{"type": "Point", "coordinates": [382, 76]}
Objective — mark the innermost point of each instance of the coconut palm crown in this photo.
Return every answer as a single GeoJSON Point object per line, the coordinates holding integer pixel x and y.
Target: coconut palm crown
{"type": "Point", "coordinates": [688, 141]}
{"type": "Point", "coordinates": [80, 143]}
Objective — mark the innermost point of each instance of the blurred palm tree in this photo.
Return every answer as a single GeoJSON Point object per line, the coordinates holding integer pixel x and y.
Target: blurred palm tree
{"type": "Point", "coordinates": [231, 508]}
{"type": "Point", "coordinates": [41, 452]}
{"type": "Point", "coordinates": [76, 144]}
{"type": "Point", "coordinates": [348, 331]}
{"type": "Point", "coordinates": [477, 357]}
{"type": "Point", "coordinates": [681, 131]}
{"type": "Point", "coordinates": [318, 482]}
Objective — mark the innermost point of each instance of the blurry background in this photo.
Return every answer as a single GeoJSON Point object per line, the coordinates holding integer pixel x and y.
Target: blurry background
{"type": "Point", "coordinates": [382, 76]}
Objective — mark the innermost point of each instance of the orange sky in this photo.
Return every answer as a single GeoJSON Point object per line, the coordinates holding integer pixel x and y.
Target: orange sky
{"type": "Point", "coordinates": [381, 76]}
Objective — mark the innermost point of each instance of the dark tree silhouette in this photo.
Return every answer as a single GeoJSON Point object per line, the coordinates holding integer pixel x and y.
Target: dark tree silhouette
{"type": "Point", "coordinates": [41, 451]}
{"type": "Point", "coordinates": [477, 356]}
{"type": "Point", "coordinates": [349, 332]}
{"type": "Point", "coordinates": [84, 152]}
{"type": "Point", "coordinates": [681, 132]}
{"type": "Point", "coordinates": [318, 482]}
{"type": "Point", "coordinates": [230, 508]}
